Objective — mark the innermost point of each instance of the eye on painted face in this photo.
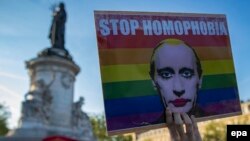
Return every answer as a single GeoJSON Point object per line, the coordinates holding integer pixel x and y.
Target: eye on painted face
{"type": "Point", "coordinates": [177, 76]}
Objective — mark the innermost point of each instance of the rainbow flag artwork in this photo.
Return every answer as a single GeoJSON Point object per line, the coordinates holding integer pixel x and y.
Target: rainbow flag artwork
{"type": "Point", "coordinates": [126, 41]}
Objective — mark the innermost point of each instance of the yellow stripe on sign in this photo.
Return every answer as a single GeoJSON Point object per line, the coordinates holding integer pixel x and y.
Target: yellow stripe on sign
{"type": "Point", "coordinates": [217, 67]}
{"type": "Point", "coordinates": [125, 56]}
{"type": "Point", "coordinates": [131, 72]}
{"type": "Point", "coordinates": [116, 73]}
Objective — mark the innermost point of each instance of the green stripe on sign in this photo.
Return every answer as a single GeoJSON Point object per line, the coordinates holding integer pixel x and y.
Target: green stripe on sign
{"type": "Point", "coordinates": [144, 87]}
{"type": "Point", "coordinates": [219, 81]}
{"type": "Point", "coordinates": [128, 89]}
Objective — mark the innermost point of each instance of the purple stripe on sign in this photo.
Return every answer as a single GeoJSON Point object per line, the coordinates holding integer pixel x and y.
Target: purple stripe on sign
{"type": "Point", "coordinates": [222, 107]}
{"type": "Point", "coordinates": [139, 120]}
{"type": "Point", "coordinates": [132, 121]}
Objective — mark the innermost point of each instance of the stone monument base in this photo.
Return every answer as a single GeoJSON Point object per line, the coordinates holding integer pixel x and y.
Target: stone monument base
{"type": "Point", "coordinates": [58, 52]}
{"type": "Point", "coordinates": [20, 139]}
{"type": "Point", "coordinates": [51, 138]}
{"type": "Point", "coordinates": [48, 109]}
{"type": "Point", "coordinates": [41, 133]}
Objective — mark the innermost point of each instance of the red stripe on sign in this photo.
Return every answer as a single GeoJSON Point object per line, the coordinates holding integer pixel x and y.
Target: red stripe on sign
{"type": "Point", "coordinates": [142, 41]}
{"type": "Point", "coordinates": [58, 138]}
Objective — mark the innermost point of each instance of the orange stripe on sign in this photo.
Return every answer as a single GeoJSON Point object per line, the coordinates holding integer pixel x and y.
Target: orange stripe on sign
{"type": "Point", "coordinates": [143, 55]}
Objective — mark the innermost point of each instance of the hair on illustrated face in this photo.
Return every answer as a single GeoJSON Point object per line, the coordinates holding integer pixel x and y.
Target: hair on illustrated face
{"type": "Point", "coordinates": [172, 42]}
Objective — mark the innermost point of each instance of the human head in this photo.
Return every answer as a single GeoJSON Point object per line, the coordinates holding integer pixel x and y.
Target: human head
{"type": "Point", "coordinates": [61, 5]}
{"type": "Point", "coordinates": [81, 100]}
{"type": "Point", "coordinates": [175, 70]}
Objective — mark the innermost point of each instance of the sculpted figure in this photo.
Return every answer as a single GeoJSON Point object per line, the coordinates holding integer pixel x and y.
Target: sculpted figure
{"type": "Point", "coordinates": [78, 114]}
{"type": "Point", "coordinates": [38, 88]}
{"type": "Point", "coordinates": [37, 101]}
{"type": "Point", "coordinates": [57, 30]}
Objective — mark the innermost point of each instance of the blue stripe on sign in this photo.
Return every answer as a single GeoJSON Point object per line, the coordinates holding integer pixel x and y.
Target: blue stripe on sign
{"type": "Point", "coordinates": [152, 104]}
{"type": "Point", "coordinates": [207, 97]}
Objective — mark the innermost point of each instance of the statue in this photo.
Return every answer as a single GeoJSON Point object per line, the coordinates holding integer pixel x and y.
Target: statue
{"type": "Point", "coordinates": [38, 101]}
{"type": "Point", "coordinates": [78, 114]}
{"type": "Point", "coordinates": [38, 88]}
{"type": "Point", "coordinates": [32, 110]}
{"type": "Point", "coordinates": [57, 35]}
{"type": "Point", "coordinates": [57, 30]}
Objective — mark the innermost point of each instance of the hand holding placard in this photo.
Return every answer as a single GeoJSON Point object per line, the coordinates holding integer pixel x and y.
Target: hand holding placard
{"type": "Point", "coordinates": [175, 123]}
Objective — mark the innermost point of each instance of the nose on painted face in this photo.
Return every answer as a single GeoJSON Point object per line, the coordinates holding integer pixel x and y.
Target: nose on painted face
{"type": "Point", "coordinates": [178, 88]}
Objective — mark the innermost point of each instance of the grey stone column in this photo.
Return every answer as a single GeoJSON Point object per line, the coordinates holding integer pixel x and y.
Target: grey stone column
{"type": "Point", "coordinates": [60, 75]}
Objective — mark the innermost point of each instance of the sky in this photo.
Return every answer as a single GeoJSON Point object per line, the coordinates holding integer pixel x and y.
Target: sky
{"type": "Point", "coordinates": [24, 28]}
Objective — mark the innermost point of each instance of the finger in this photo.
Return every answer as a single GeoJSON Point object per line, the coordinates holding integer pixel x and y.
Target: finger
{"type": "Point", "coordinates": [174, 135]}
{"type": "Point", "coordinates": [169, 118]}
{"type": "Point", "coordinates": [187, 121]}
{"type": "Point", "coordinates": [195, 126]}
{"type": "Point", "coordinates": [189, 126]}
{"type": "Point", "coordinates": [170, 123]}
{"type": "Point", "coordinates": [196, 130]}
{"type": "Point", "coordinates": [179, 125]}
{"type": "Point", "coordinates": [177, 119]}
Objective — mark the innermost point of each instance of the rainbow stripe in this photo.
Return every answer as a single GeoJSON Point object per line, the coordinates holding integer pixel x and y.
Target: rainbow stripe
{"type": "Point", "coordinates": [129, 97]}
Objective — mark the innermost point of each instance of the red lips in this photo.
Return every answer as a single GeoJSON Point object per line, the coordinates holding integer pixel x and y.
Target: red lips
{"type": "Point", "coordinates": [180, 102]}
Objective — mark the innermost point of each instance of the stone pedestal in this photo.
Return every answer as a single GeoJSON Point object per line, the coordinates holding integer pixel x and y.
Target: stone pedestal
{"type": "Point", "coordinates": [48, 109]}
{"type": "Point", "coordinates": [61, 74]}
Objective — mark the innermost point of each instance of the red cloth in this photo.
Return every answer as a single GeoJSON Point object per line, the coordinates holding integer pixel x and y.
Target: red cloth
{"type": "Point", "coordinates": [58, 138]}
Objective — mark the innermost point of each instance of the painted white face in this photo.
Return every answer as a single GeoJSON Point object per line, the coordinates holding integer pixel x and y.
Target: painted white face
{"type": "Point", "coordinates": [177, 76]}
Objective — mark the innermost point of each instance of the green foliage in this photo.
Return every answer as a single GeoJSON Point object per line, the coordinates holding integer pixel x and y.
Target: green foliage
{"type": "Point", "coordinates": [4, 115]}
{"type": "Point", "coordinates": [99, 128]}
{"type": "Point", "coordinates": [215, 131]}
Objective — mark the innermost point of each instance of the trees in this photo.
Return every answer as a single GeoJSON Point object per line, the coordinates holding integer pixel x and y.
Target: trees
{"type": "Point", "coordinates": [216, 130]}
{"type": "Point", "coordinates": [99, 129]}
{"type": "Point", "coordinates": [4, 115]}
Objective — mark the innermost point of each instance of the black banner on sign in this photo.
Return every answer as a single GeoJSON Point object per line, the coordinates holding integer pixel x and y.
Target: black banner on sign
{"type": "Point", "coordinates": [238, 132]}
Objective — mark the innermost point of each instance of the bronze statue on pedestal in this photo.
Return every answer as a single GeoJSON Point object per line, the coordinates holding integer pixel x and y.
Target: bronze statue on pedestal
{"type": "Point", "coordinates": [57, 30]}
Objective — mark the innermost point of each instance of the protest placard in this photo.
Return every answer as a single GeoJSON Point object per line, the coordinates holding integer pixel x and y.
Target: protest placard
{"type": "Point", "coordinates": [150, 61]}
